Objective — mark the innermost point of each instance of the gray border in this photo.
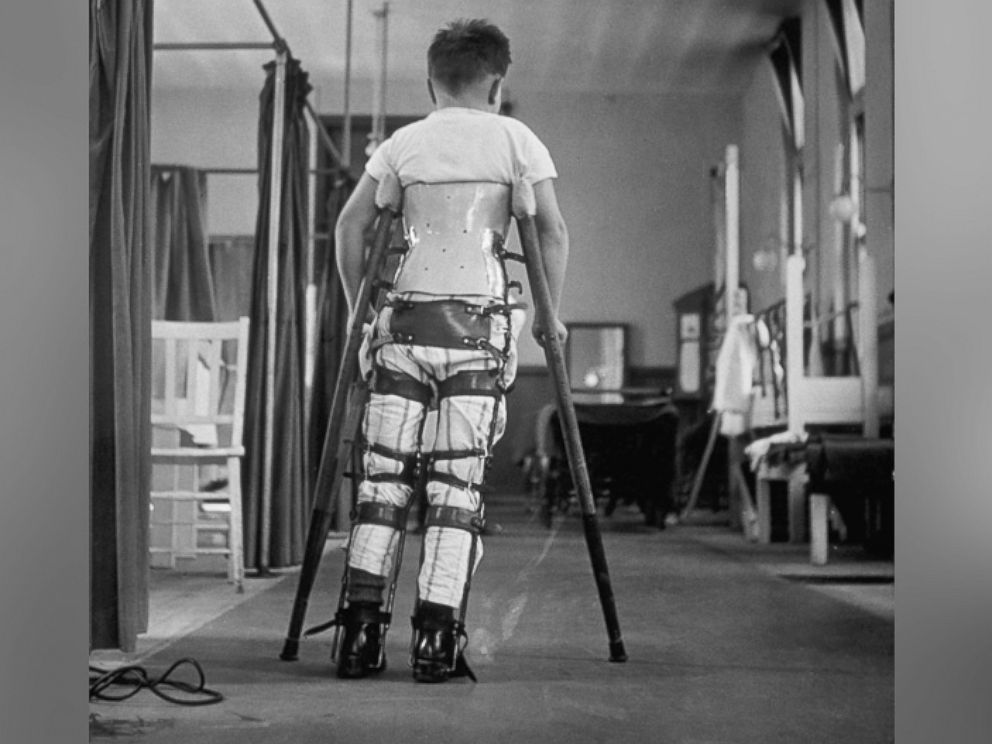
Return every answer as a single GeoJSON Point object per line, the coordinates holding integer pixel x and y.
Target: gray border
{"type": "Point", "coordinates": [944, 406]}
{"type": "Point", "coordinates": [943, 399]}
{"type": "Point", "coordinates": [44, 378]}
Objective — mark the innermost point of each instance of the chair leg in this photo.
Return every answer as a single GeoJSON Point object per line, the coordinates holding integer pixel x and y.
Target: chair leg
{"type": "Point", "coordinates": [236, 561]}
{"type": "Point", "coordinates": [763, 496]}
{"type": "Point", "coordinates": [798, 519]}
{"type": "Point", "coordinates": [819, 510]}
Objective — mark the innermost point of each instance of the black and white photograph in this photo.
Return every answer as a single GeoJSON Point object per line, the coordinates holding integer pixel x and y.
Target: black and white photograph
{"type": "Point", "coordinates": [452, 371]}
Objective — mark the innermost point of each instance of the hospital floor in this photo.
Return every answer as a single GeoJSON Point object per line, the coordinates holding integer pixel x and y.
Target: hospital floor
{"type": "Point", "coordinates": [727, 641]}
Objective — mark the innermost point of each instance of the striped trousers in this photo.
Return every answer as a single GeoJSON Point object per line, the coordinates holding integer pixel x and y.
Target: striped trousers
{"type": "Point", "coordinates": [454, 435]}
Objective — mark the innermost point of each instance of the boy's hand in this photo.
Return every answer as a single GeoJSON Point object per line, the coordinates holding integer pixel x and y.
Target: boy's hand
{"type": "Point", "coordinates": [539, 331]}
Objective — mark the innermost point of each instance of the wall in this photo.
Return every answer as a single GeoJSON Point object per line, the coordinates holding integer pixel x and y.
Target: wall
{"type": "Point", "coordinates": [634, 190]}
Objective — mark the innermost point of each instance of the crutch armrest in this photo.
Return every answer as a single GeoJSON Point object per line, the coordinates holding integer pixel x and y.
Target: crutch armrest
{"type": "Point", "coordinates": [523, 203]}
{"type": "Point", "coordinates": [389, 193]}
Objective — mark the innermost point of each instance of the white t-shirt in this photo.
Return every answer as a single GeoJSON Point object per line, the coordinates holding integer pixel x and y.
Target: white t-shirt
{"type": "Point", "coordinates": [463, 144]}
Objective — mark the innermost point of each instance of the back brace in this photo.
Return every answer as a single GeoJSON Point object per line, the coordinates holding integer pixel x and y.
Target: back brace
{"type": "Point", "coordinates": [455, 234]}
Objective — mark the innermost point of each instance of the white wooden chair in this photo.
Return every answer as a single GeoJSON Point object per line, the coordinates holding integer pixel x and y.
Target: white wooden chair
{"type": "Point", "coordinates": [198, 397]}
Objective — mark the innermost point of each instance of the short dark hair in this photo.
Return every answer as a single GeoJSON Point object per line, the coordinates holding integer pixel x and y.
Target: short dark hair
{"type": "Point", "coordinates": [465, 51]}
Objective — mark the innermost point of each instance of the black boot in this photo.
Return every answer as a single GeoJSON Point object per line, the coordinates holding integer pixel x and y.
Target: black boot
{"type": "Point", "coordinates": [437, 653]}
{"type": "Point", "coordinates": [361, 651]}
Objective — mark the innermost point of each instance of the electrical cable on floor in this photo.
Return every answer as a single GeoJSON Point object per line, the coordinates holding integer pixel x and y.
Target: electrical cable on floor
{"type": "Point", "coordinates": [136, 678]}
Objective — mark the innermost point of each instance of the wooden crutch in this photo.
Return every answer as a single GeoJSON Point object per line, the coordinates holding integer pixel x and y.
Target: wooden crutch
{"type": "Point", "coordinates": [344, 418]}
{"type": "Point", "coordinates": [524, 209]}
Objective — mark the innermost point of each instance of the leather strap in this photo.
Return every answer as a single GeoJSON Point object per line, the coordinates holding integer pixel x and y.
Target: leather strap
{"type": "Point", "coordinates": [481, 382]}
{"type": "Point", "coordinates": [455, 517]}
{"type": "Point", "coordinates": [442, 323]}
{"type": "Point", "coordinates": [390, 382]}
{"type": "Point", "coordinates": [387, 515]}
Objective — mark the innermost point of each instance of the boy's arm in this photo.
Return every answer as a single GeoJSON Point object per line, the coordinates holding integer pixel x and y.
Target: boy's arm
{"type": "Point", "coordinates": [357, 216]}
{"type": "Point", "coordinates": [553, 236]}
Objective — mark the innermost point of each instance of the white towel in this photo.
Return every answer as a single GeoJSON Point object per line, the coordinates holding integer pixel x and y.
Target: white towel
{"type": "Point", "coordinates": [735, 365]}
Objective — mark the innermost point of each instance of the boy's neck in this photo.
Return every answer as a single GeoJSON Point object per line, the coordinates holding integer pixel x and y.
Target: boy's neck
{"type": "Point", "coordinates": [471, 97]}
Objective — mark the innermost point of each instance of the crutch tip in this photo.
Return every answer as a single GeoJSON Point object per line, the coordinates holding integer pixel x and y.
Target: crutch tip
{"type": "Point", "coordinates": [617, 652]}
{"type": "Point", "coordinates": [290, 651]}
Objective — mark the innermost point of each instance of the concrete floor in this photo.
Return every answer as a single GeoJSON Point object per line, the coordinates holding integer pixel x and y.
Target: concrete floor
{"type": "Point", "coordinates": [728, 641]}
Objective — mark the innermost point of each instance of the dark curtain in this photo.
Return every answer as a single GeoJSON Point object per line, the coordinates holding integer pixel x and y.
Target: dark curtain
{"type": "Point", "coordinates": [332, 314]}
{"type": "Point", "coordinates": [184, 287]}
{"type": "Point", "coordinates": [120, 315]}
{"type": "Point", "coordinates": [289, 508]}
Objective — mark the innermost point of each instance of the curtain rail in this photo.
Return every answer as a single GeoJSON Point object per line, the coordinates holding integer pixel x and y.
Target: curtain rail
{"type": "Point", "coordinates": [212, 45]}
{"type": "Point", "coordinates": [249, 171]}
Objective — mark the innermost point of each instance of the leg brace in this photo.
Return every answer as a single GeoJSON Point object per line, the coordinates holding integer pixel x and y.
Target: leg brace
{"type": "Point", "coordinates": [378, 533]}
{"type": "Point", "coordinates": [439, 638]}
{"type": "Point", "coordinates": [391, 432]}
{"type": "Point", "coordinates": [470, 420]}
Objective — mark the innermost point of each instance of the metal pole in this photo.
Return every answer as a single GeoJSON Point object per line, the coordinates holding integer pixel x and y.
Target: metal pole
{"type": "Point", "coordinates": [311, 286]}
{"type": "Point", "coordinates": [254, 171]}
{"type": "Point", "coordinates": [840, 291]}
{"type": "Point", "coordinates": [229, 171]}
{"type": "Point", "coordinates": [271, 26]}
{"type": "Point", "coordinates": [377, 135]}
{"type": "Point", "coordinates": [211, 46]}
{"type": "Point", "coordinates": [868, 337]}
{"type": "Point", "coordinates": [794, 266]}
{"type": "Point", "coordinates": [732, 196]}
{"type": "Point", "coordinates": [735, 306]}
{"type": "Point", "coordinates": [383, 72]}
{"type": "Point", "coordinates": [275, 217]}
{"type": "Point", "coordinates": [346, 134]}
{"type": "Point", "coordinates": [325, 138]}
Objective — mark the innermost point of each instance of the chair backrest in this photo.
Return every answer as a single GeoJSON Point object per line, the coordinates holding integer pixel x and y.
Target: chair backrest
{"type": "Point", "coordinates": [199, 379]}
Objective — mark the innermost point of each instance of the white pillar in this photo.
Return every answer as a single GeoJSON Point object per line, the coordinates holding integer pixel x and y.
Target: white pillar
{"type": "Point", "coordinates": [272, 303]}
{"type": "Point", "coordinates": [868, 334]}
{"type": "Point", "coordinates": [819, 518]}
{"type": "Point", "coordinates": [732, 196]}
{"type": "Point", "coordinates": [794, 373]}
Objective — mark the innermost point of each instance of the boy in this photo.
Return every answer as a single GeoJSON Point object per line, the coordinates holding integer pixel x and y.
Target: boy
{"type": "Point", "coordinates": [444, 339]}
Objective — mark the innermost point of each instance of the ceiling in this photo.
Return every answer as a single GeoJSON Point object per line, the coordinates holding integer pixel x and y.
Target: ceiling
{"type": "Point", "coordinates": [616, 46]}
